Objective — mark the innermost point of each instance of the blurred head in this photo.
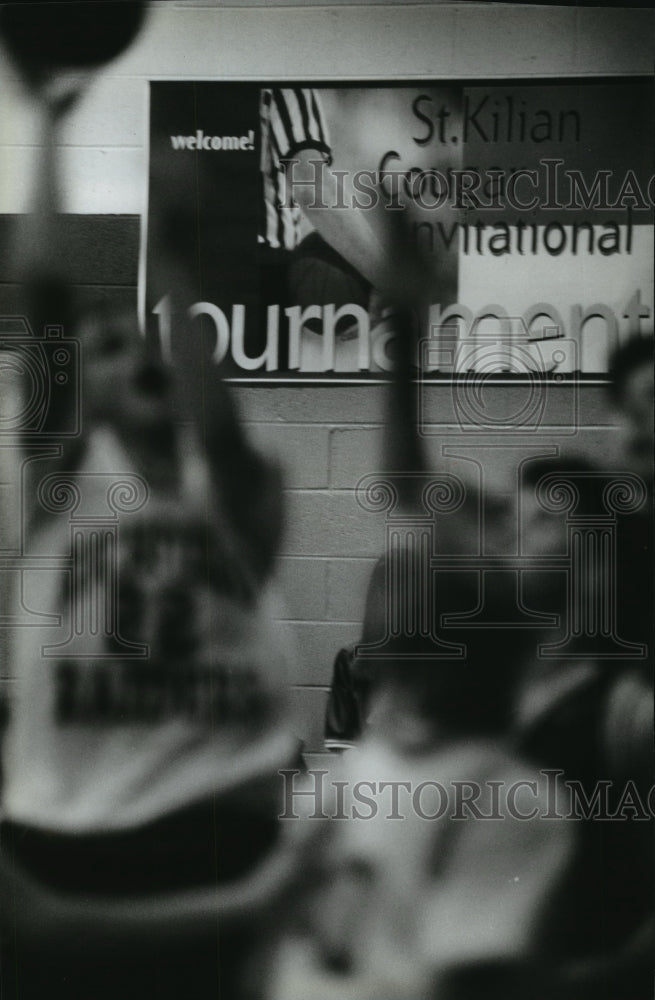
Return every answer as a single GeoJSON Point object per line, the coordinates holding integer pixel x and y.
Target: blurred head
{"type": "Point", "coordinates": [459, 695]}
{"type": "Point", "coordinates": [127, 387]}
{"type": "Point", "coordinates": [631, 391]}
{"type": "Point", "coordinates": [543, 532]}
{"type": "Point", "coordinates": [123, 383]}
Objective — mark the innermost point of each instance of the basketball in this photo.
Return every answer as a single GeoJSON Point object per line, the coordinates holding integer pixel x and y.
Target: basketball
{"type": "Point", "coordinates": [47, 37]}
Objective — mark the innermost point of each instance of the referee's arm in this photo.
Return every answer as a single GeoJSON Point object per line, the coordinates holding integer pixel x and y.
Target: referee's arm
{"type": "Point", "coordinates": [326, 196]}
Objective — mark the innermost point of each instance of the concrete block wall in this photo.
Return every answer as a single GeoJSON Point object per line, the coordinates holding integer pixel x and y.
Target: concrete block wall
{"type": "Point", "coordinates": [327, 437]}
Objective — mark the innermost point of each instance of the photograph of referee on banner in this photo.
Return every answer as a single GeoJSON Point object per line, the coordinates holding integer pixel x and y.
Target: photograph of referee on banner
{"type": "Point", "coordinates": [300, 191]}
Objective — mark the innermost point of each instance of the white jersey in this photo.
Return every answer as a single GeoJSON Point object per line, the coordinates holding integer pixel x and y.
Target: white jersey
{"type": "Point", "coordinates": [107, 732]}
{"type": "Point", "coordinates": [428, 862]}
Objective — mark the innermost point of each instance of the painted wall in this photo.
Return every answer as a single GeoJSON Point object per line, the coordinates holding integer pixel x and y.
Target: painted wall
{"type": "Point", "coordinates": [327, 437]}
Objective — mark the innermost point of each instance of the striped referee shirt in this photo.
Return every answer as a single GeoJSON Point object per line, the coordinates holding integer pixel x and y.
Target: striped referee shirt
{"type": "Point", "coordinates": [291, 120]}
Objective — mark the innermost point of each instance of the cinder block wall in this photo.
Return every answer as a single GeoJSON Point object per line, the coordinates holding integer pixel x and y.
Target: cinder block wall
{"type": "Point", "coordinates": [327, 437]}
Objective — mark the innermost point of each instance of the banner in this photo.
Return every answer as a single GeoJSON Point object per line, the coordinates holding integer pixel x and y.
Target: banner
{"type": "Point", "coordinates": [274, 209]}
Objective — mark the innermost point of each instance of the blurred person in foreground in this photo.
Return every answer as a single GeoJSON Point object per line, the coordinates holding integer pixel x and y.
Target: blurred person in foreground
{"type": "Point", "coordinates": [148, 720]}
{"type": "Point", "coordinates": [355, 677]}
{"type": "Point", "coordinates": [140, 789]}
{"type": "Point", "coordinates": [414, 897]}
{"type": "Point", "coordinates": [592, 719]}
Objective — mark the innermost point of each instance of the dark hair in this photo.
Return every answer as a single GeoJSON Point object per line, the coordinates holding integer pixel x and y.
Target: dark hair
{"type": "Point", "coordinates": [466, 694]}
{"type": "Point", "coordinates": [562, 464]}
{"type": "Point", "coordinates": [624, 360]}
{"type": "Point", "coordinates": [580, 470]}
